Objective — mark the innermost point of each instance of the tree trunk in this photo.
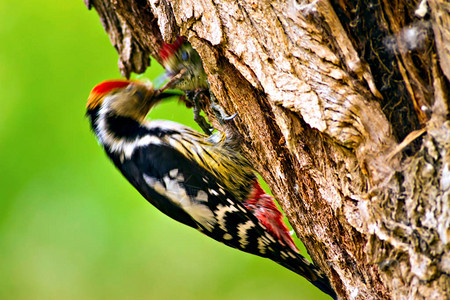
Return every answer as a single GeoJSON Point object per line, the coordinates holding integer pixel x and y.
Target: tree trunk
{"type": "Point", "coordinates": [342, 108]}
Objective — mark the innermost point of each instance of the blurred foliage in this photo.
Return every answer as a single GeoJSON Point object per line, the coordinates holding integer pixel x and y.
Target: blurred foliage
{"type": "Point", "coordinates": [70, 226]}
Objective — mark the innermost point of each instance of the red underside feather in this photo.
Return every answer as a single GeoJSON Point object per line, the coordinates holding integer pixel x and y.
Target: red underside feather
{"type": "Point", "coordinates": [265, 209]}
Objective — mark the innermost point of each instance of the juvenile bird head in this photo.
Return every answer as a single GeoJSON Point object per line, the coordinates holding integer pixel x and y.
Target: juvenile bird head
{"type": "Point", "coordinates": [181, 57]}
{"type": "Point", "coordinates": [126, 98]}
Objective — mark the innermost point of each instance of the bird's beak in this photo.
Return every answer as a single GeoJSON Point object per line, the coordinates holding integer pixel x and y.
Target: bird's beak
{"type": "Point", "coordinates": [162, 92]}
{"type": "Point", "coordinates": [173, 80]}
{"type": "Point", "coordinates": [159, 95]}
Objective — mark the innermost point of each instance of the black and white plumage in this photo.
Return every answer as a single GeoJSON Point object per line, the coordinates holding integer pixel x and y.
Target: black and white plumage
{"type": "Point", "coordinates": [193, 178]}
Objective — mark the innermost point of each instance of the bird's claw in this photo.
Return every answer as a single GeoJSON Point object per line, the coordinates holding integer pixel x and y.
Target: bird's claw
{"type": "Point", "coordinates": [199, 119]}
{"type": "Point", "coordinates": [219, 112]}
{"type": "Point", "coordinates": [229, 118]}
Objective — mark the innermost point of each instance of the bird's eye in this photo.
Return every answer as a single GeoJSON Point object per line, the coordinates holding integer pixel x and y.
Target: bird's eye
{"type": "Point", "coordinates": [184, 55]}
{"type": "Point", "coordinates": [139, 94]}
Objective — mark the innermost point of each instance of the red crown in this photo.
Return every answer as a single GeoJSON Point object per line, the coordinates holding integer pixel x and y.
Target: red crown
{"type": "Point", "coordinates": [97, 93]}
{"type": "Point", "coordinates": [108, 85]}
{"type": "Point", "coordinates": [168, 50]}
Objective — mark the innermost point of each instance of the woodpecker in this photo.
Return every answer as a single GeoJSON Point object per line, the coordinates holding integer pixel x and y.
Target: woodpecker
{"type": "Point", "coordinates": [181, 56]}
{"type": "Point", "coordinates": [184, 66]}
{"type": "Point", "coordinates": [196, 179]}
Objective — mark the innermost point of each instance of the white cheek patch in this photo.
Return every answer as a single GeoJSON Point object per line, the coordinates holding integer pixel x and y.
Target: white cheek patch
{"type": "Point", "coordinates": [176, 193]}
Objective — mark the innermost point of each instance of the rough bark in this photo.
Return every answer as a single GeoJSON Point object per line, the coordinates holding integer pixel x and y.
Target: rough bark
{"type": "Point", "coordinates": [326, 91]}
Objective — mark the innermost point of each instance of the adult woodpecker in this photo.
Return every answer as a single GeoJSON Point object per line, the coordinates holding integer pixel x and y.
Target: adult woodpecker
{"type": "Point", "coordinates": [198, 180]}
{"type": "Point", "coordinates": [181, 61]}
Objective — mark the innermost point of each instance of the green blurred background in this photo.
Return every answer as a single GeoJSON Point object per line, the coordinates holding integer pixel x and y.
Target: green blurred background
{"type": "Point", "coordinates": [70, 226]}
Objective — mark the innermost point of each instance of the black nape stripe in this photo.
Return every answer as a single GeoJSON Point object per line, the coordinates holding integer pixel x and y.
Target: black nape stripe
{"type": "Point", "coordinates": [130, 129]}
{"type": "Point", "coordinates": [124, 127]}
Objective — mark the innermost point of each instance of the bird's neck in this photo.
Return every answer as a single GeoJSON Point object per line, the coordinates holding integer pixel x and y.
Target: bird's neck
{"type": "Point", "coordinates": [112, 128]}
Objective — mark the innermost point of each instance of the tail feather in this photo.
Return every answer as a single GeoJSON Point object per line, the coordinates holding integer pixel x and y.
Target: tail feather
{"type": "Point", "coordinates": [283, 248]}
{"type": "Point", "coordinates": [300, 265]}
